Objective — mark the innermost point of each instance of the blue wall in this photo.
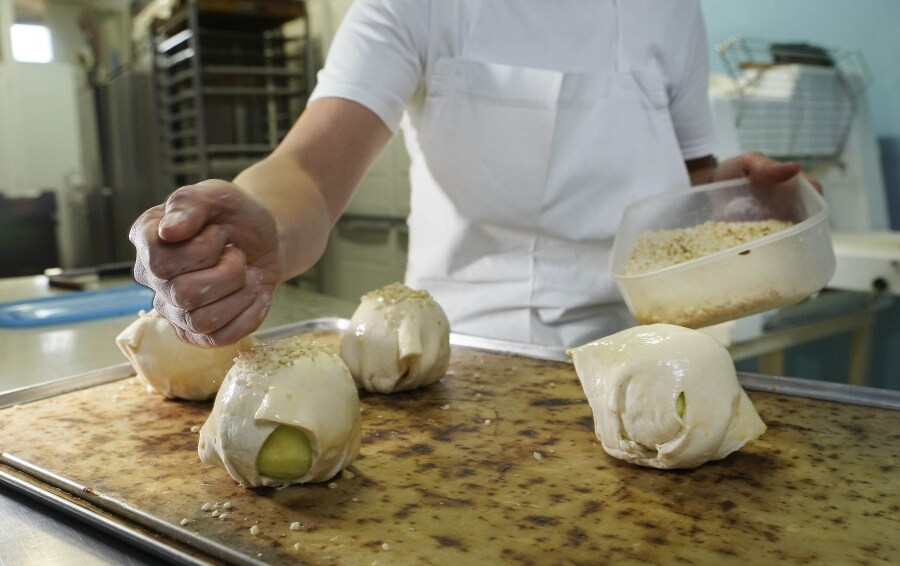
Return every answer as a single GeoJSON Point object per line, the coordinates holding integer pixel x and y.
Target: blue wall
{"type": "Point", "coordinates": [873, 26]}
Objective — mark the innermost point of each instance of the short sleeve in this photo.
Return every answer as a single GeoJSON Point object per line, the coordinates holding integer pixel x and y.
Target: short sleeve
{"type": "Point", "coordinates": [376, 58]}
{"type": "Point", "coordinates": [689, 105]}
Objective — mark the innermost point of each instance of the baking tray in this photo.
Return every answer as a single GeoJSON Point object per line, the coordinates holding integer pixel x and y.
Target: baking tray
{"type": "Point", "coordinates": [498, 462]}
{"type": "Point", "coordinates": [808, 388]}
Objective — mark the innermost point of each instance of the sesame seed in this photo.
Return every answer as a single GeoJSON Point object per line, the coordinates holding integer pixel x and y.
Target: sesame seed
{"type": "Point", "coordinates": [332, 485]}
{"type": "Point", "coordinates": [227, 505]}
{"type": "Point", "coordinates": [445, 407]}
{"type": "Point", "coordinates": [538, 456]}
{"type": "Point", "coordinates": [184, 522]}
{"type": "Point", "coordinates": [195, 428]}
{"type": "Point", "coordinates": [385, 546]}
{"type": "Point", "coordinates": [295, 526]}
{"type": "Point", "coordinates": [206, 507]}
{"type": "Point", "coordinates": [215, 513]}
{"type": "Point", "coordinates": [254, 530]}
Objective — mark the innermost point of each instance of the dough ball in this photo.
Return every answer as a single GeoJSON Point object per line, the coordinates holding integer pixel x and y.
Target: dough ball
{"type": "Point", "coordinates": [665, 396]}
{"type": "Point", "coordinates": [398, 339]}
{"type": "Point", "coordinates": [287, 413]}
{"type": "Point", "coordinates": [171, 367]}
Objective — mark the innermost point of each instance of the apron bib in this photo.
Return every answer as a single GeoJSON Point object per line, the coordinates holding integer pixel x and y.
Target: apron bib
{"type": "Point", "coordinates": [519, 177]}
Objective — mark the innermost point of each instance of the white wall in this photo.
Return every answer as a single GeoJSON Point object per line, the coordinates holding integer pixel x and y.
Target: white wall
{"type": "Point", "coordinates": [40, 147]}
{"type": "Point", "coordinates": [40, 135]}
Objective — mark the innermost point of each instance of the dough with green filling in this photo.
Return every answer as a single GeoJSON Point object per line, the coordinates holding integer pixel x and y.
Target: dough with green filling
{"type": "Point", "coordinates": [171, 367]}
{"type": "Point", "coordinates": [287, 413]}
{"type": "Point", "coordinates": [398, 339]}
{"type": "Point", "coordinates": [665, 396]}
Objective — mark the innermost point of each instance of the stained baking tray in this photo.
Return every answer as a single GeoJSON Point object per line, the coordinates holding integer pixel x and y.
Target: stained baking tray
{"type": "Point", "coordinates": [811, 389]}
{"type": "Point", "coordinates": [496, 463]}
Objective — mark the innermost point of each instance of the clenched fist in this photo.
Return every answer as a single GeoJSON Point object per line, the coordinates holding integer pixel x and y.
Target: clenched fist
{"type": "Point", "coordinates": [213, 255]}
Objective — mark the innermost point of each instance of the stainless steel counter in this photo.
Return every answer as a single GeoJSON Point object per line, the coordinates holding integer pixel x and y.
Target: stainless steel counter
{"type": "Point", "coordinates": [31, 533]}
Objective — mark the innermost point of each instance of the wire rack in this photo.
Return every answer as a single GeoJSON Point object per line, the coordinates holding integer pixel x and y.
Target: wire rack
{"type": "Point", "coordinates": [230, 80]}
{"type": "Point", "coordinates": [795, 100]}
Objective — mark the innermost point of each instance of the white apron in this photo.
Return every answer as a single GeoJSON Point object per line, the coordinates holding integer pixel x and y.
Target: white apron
{"type": "Point", "coordinates": [519, 177]}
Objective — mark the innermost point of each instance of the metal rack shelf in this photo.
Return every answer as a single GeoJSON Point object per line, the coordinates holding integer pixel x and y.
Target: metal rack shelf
{"type": "Point", "coordinates": [230, 78]}
{"type": "Point", "coordinates": [796, 101]}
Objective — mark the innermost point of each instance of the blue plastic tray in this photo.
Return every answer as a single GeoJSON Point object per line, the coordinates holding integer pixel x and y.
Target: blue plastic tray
{"type": "Point", "coordinates": [77, 306]}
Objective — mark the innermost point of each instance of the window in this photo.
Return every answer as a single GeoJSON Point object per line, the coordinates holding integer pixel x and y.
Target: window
{"type": "Point", "coordinates": [31, 43]}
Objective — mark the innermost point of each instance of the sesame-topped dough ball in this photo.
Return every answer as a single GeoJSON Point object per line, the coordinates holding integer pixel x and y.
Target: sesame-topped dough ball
{"type": "Point", "coordinates": [171, 367]}
{"type": "Point", "coordinates": [398, 339]}
{"type": "Point", "coordinates": [287, 413]}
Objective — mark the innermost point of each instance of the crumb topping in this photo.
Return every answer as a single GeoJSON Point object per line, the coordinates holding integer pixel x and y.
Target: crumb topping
{"type": "Point", "coordinates": [397, 293]}
{"type": "Point", "coordinates": [271, 356]}
{"type": "Point", "coordinates": [663, 248]}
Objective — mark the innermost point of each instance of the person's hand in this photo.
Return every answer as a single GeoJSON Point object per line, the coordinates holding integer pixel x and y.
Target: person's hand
{"type": "Point", "coordinates": [760, 169]}
{"type": "Point", "coordinates": [212, 255]}
{"type": "Point", "coordinates": [774, 185]}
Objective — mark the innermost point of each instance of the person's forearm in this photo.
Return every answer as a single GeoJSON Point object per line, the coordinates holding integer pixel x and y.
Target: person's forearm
{"type": "Point", "coordinates": [309, 178]}
{"type": "Point", "coordinates": [297, 204]}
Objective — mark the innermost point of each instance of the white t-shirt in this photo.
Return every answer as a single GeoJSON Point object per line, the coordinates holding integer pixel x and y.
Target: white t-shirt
{"type": "Point", "coordinates": [385, 49]}
{"type": "Point", "coordinates": [531, 272]}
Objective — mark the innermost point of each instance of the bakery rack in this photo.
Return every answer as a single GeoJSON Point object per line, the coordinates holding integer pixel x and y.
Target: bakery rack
{"type": "Point", "coordinates": [230, 78]}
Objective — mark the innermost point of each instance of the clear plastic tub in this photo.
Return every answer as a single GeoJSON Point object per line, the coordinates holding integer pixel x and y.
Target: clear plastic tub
{"type": "Point", "coordinates": [775, 270]}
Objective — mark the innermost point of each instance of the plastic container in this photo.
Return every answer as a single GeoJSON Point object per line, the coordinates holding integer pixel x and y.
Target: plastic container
{"type": "Point", "coordinates": [773, 271]}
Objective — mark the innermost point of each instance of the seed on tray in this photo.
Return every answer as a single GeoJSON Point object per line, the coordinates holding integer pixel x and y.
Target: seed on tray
{"type": "Point", "coordinates": [295, 526]}
{"type": "Point", "coordinates": [538, 456]}
{"type": "Point", "coordinates": [206, 507]}
{"type": "Point", "coordinates": [184, 522]}
{"type": "Point", "coordinates": [254, 530]}
{"type": "Point", "coordinates": [227, 505]}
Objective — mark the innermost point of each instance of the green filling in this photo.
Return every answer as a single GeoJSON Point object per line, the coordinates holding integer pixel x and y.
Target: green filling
{"type": "Point", "coordinates": [286, 454]}
{"type": "Point", "coordinates": [679, 405]}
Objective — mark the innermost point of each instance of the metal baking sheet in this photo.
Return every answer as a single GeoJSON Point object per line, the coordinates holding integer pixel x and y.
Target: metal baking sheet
{"type": "Point", "coordinates": [495, 463]}
{"type": "Point", "coordinates": [796, 387]}
{"type": "Point", "coordinates": [96, 517]}
{"type": "Point", "coordinates": [792, 386]}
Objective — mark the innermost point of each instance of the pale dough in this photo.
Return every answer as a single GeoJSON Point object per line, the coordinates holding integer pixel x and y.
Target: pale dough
{"type": "Point", "coordinates": [292, 381]}
{"type": "Point", "coordinates": [398, 339]}
{"type": "Point", "coordinates": [665, 396]}
{"type": "Point", "coordinates": [172, 367]}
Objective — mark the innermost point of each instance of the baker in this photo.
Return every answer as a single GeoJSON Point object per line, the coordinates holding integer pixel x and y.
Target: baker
{"type": "Point", "coordinates": [530, 126]}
